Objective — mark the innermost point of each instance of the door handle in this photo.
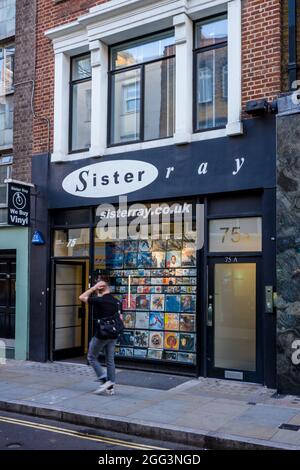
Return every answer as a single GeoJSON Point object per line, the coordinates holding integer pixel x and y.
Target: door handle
{"type": "Point", "coordinates": [209, 320]}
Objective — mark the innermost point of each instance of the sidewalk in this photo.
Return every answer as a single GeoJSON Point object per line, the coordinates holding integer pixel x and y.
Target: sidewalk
{"type": "Point", "coordinates": [207, 413]}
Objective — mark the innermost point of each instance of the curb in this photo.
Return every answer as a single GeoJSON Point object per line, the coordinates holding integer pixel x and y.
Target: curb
{"type": "Point", "coordinates": [146, 429]}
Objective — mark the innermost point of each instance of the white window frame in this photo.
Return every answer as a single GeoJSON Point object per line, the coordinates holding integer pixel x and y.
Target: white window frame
{"type": "Point", "coordinates": [121, 20]}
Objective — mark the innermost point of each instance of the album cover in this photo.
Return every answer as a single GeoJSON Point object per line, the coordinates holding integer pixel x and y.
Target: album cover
{"type": "Point", "coordinates": [187, 357]}
{"type": "Point", "coordinates": [140, 352]}
{"type": "Point", "coordinates": [187, 322]}
{"type": "Point", "coordinates": [141, 338]}
{"type": "Point", "coordinates": [144, 259]}
{"type": "Point", "coordinates": [188, 257]}
{"type": "Point", "coordinates": [145, 245]}
{"type": "Point", "coordinates": [115, 260]}
{"type": "Point", "coordinates": [141, 272]}
{"type": "Point", "coordinates": [159, 245]}
{"type": "Point", "coordinates": [126, 338]}
{"type": "Point", "coordinates": [187, 342]}
{"type": "Point", "coordinates": [129, 319]}
{"type": "Point", "coordinates": [156, 321]}
{"type": "Point", "coordinates": [156, 339]}
{"type": "Point", "coordinates": [188, 303]}
{"type": "Point", "coordinates": [170, 356]}
{"type": "Point", "coordinates": [119, 297]}
{"type": "Point", "coordinates": [174, 244]}
{"type": "Point", "coordinates": [129, 302]}
{"type": "Point", "coordinates": [130, 245]}
{"type": "Point", "coordinates": [158, 259]}
{"type": "Point", "coordinates": [130, 260]}
{"type": "Point", "coordinates": [143, 289]}
{"type": "Point", "coordinates": [157, 302]}
{"type": "Point", "coordinates": [171, 340]}
{"type": "Point", "coordinates": [173, 259]}
{"type": "Point", "coordinates": [114, 247]}
{"type": "Point", "coordinates": [142, 301]}
{"type": "Point", "coordinates": [157, 280]}
{"type": "Point", "coordinates": [155, 353]}
{"type": "Point", "coordinates": [142, 320]}
{"type": "Point", "coordinates": [172, 303]}
{"type": "Point", "coordinates": [172, 321]}
{"type": "Point", "coordinates": [156, 290]}
{"type": "Point", "coordinates": [125, 352]}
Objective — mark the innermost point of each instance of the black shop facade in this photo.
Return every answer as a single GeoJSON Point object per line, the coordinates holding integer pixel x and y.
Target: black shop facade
{"type": "Point", "coordinates": [189, 249]}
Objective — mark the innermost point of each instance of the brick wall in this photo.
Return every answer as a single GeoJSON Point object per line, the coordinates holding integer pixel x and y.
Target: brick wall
{"type": "Point", "coordinates": [285, 44]}
{"type": "Point", "coordinates": [261, 56]}
{"type": "Point", "coordinates": [24, 72]}
{"type": "Point", "coordinates": [261, 38]}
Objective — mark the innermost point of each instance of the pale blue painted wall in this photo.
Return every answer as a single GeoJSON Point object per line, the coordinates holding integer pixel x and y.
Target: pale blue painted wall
{"type": "Point", "coordinates": [17, 238]}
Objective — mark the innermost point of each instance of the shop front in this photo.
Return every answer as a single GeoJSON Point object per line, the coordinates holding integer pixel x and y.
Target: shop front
{"type": "Point", "coordinates": [190, 251]}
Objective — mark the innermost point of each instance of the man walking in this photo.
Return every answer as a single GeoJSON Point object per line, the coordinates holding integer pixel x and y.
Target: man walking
{"type": "Point", "coordinates": [104, 306]}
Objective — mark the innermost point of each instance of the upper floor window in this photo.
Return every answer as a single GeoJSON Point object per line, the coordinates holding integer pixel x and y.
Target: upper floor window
{"type": "Point", "coordinates": [80, 103]}
{"type": "Point", "coordinates": [7, 18]}
{"type": "Point", "coordinates": [211, 73]}
{"type": "Point", "coordinates": [5, 173]}
{"type": "Point", "coordinates": [142, 89]}
{"type": "Point", "coordinates": [7, 62]}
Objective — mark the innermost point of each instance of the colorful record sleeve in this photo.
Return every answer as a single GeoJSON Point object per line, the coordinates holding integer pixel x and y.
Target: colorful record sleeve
{"type": "Point", "coordinates": [171, 340]}
{"type": "Point", "coordinates": [188, 303]}
{"type": "Point", "coordinates": [142, 320]}
{"type": "Point", "coordinates": [145, 245]}
{"type": "Point", "coordinates": [129, 302]}
{"type": "Point", "coordinates": [155, 353]}
{"type": "Point", "coordinates": [172, 321]}
{"type": "Point", "coordinates": [188, 257]}
{"type": "Point", "coordinates": [156, 321]}
{"type": "Point", "coordinates": [126, 352]}
{"type": "Point", "coordinates": [172, 303]}
{"type": "Point", "coordinates": [187, 322]}
{"type": "Point", "coordinates": [187, 357]}
{"type": "Point", "coordinates": [130, 260]}
{"type": "Point", "coordinates": [144, 259]}
{"type": "Point", "coordinates": [140, 352]}
{"type": "Point", "coordinates": [115, 260]}
{"type": "Point", "coordinates": [158, 259]}
{"type": "Point", "coordinates": [126, 338]}
{"type": "Point", "coordinates": [170, 356]}
{"type": "Point", "coordinates": [129, 319]}
{"type": "Point", "coordinates": [187, 342]}
{"type": "Point", "coordinates": [141, 338]}
{"type": "Point", "coordinates": [156, 339]}
{"type": "Point", "coordinates": [142, 301]}
{"type": "Point", "coordinates": [173, 259]}
{"type": "Point", "coordinates": [157, 302]}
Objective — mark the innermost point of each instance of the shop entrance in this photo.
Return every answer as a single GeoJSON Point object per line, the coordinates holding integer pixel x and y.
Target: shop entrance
{"type": "Point", "coordinates": [69, 315]}
{"type": "Point", "coordinates": [234, 319]}
{"type": "Point", "coordinates": [7, 294]}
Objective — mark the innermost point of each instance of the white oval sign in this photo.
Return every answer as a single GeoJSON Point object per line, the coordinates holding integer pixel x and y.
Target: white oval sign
{"type": "Point", "coordinates": [113, 178]}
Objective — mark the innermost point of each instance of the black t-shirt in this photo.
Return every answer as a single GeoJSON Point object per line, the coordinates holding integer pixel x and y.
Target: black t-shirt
{"type": "Point", "coordinates": [104, 306]}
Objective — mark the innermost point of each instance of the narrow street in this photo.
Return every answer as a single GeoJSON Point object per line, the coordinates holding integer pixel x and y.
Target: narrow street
{"type": "Point", "coordinates": [20, 432]}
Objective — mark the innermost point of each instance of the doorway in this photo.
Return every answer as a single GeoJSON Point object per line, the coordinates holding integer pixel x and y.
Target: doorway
{"type": "Point", "coordinates": [69, 314]}
{"type": "Point", "coordinates": [234, 319]}
{"type": "Point", "coordinates": [7, 294]}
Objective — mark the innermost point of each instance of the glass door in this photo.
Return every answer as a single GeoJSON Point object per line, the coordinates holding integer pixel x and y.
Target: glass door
{"type": "Point", "coordinates": [233, 319]}
{"type": "Point", "coordinates": [69, 312]}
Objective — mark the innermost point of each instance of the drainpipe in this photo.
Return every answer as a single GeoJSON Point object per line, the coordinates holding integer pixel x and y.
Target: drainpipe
{"type": "Point", "coordinates": [292, 65]}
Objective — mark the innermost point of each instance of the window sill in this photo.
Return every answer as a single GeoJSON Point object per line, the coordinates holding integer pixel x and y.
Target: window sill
{"type": "Point", "coordinates": [231, 129]}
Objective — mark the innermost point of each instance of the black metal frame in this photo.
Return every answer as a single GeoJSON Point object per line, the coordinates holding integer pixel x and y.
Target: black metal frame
{"type": "Point", "coordinates": [10, 257]}
{"type": "Point", "coordinates": [196, 52]}
{"type": "Point", "coordinates": [141, 67]}
{"type": "Point", "coordinates": [292, 24]}
{"type": "Point", "coordinates": [73, 83]}
{"type": "Point", "coordinates": [76, 351]}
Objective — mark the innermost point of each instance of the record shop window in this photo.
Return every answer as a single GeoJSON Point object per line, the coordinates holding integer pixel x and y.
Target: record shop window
{"type": "Point", "coordinates": [211, 84]}
{"type": "Point", "coordinates": [142, 89]}
{"type": "Point", "coordinates": [155, 278]}
{"type": "Point", "coordinates": [80, 103]}
{"type": "Point", "coordinates": [5, 173]}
